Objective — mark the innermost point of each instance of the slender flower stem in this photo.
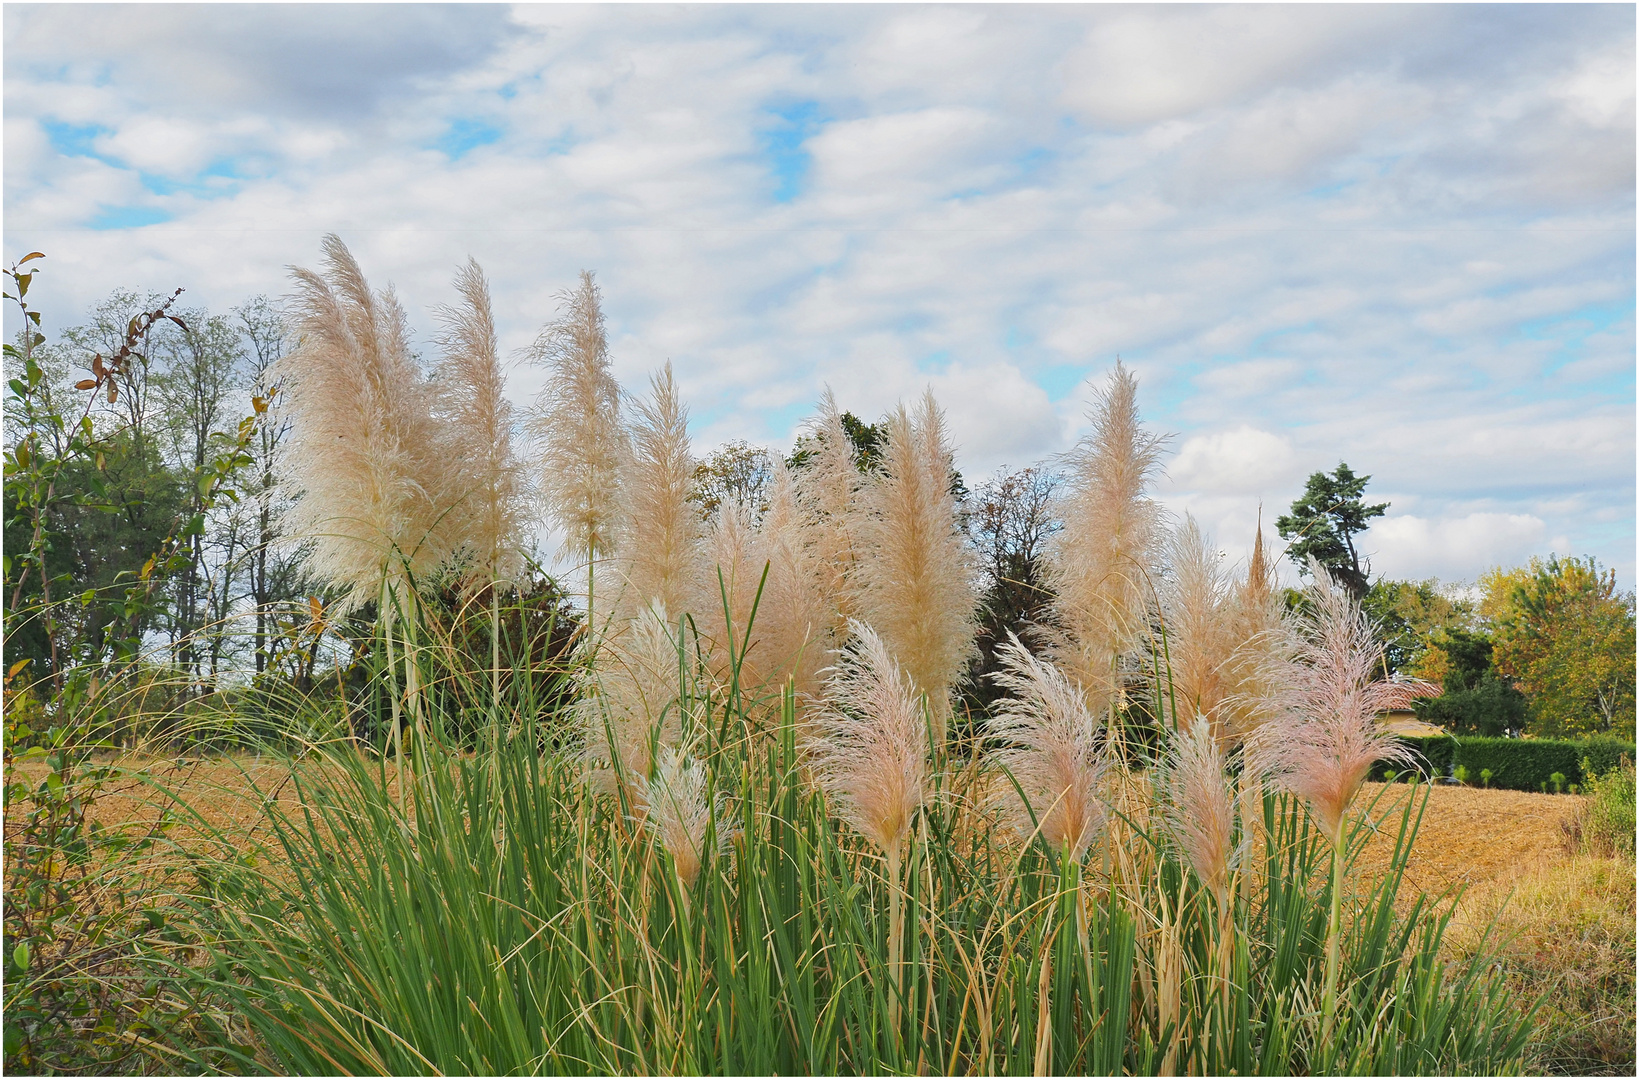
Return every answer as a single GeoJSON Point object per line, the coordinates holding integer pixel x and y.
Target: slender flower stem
{"type": "Point", "coordinates": [896, 919]}
{"type": "Point", "coordinates": [1328, 998]}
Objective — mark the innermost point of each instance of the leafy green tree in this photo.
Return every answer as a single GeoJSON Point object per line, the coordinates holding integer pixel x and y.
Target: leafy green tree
{"type": "Point", "coordinates": [735, 473]}
{"type": "Point", "coordinates": [1477, 699]}
{"type": "Point", "coordinates": [1410, 615]}
{"type": "Point", "coordinates": [1565, 636]}
{"type": "Point", "coordinates": [1324, 523]}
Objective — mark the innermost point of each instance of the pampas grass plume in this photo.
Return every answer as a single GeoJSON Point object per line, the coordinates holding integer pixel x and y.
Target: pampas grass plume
{"type": "Point", "coordinates": [828, 489]}
{"type": "Point", "coordinates": [1200, 629]}
{"type": "Point", "coordinates": [489, 492]}
{"type": "Point", "coordinates": [577, 419]}
{"type": "Point", "coordinates": [1327, 738]}
{"type": "Point", "coordinates": [915, 575]}
{"type": "Point", "coordinates": [869, 744]}
{"type": "Point", "coordinates": [679, 813]}
{"type": "Point", "coordinates": [1100, 562]}
{"type": "Point", "coordinates": [628, 702]}
{"type": "Point", "coordinates": [365, 459]}
{"type": "Point", "coordinates": [1051, 752]}
{"type": "Point", "coordinates": [660, 530]}
{"type": "Point", "coordinates": [1200, 807]}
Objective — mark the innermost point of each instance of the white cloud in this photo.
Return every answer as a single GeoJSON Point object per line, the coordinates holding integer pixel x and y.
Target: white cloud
{"type": "Point", "coordinates": [1401, 237]}
{"type": "Point", "coordinates": [1456, 548]}
{"type": "Point", "coordinates": [1242, 461]}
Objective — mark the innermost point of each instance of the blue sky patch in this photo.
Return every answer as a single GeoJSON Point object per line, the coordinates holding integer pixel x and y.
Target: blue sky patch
{"type": "Point", "coordinates": [129, 217]}
{"type": "Point", "coordinates": [466, 135]}
{"type": "Point", "coordinates": [76, 140]}
{"type": "Point", "coordinates": [782, 145]}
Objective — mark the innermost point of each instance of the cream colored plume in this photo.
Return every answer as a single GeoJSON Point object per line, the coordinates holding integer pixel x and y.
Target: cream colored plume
{"type": "Point", "coordinates": [577, 419]}
{"type": "Point", "coordinates": [366, 460]}
{"type": "Point", "coordinates": [1101, 564]}
{"type": "Point", "coordinates": [1051, 753]}
{"type": "Point", "coordinates": [827, 489]}
{"type": "Point", "coordinates": [488, 512]}
{"type": "Point", "coordinates": [1261, 647]}
{"type": "Point", "coordinates": [914, 579]}
{"type": "Point", "coordinates": [1198, 608]}
{"type": "Point", "coordinates": [659, 545]}
{"type": "Point", "coordinates": [730, 573]}
{"type": "Point", "coordinates": [783, 634]}
{"type": "Point", "coordinates": [792, 633]}
{"type": "Point", "coordinates": [1200, 806]}
{"type": "Point", "coordinates": [679, 810]}
{"type": "Point", "coordinates": [630, 702]}
{"type": "Point", "coordinates": [1326, 737]}
{"type": "Point", "coordinates": [869, 747]}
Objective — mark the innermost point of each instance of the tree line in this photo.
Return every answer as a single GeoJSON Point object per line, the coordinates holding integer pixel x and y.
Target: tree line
{"type": "Point", "coordinates": [1546, 648]}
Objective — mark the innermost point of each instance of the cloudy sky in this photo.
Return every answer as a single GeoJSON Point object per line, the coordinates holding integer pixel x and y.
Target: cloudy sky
{"type": "Point", "coordinates": [1401, 237]}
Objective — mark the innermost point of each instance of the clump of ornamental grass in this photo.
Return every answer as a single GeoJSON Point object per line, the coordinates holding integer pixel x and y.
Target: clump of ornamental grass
{"type": "Point", "coordinates": [869, 754]}
{"type": "Point", "coordinates": [1050, 751]}
{"type": "Point", "coordinates": [1101, 563]}
{"type": "Point", "coordinates": [659, 528]}
{"type": "Point", "coordinates": [1326, 738]}
{"type": "Point", "coordinates": [914, 580]}
{"type": "Point", "coordinates": [577, 423]}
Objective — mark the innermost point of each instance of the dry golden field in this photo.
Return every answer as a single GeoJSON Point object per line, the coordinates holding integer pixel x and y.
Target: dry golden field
{"type": "Point", "coordinates": [1468, 835]}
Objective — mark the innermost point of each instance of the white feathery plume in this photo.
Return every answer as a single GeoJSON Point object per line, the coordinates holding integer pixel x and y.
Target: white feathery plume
{"type": "Point", "coordinates": [1101, 562]}
{"type": "Point", "coordinates": [914, 578]}
{"type": "Point", "coordinates": [791, 635]}
{"type": "Point", "coordinates": [628, 702]}
{"type": "Point", "coordinates": [577, 420]}
{"type": "Point", "coordinates": [1051, 751]}
{"type": "Point", "coordinates": [679, 813]}
{"type": "Point", "coordinates": [1252, 672]}
{"type": "Point", "coordinates": [488, 496]}
{"type": "Point", "coordinates": [729, 570]}
{"type": "Point", "coordinates": [1200, 806]}
{"type": "Point", "coordinates": [1196, 606]}
{"type": "Point", "coordinates": [659, 546]}
{"type": "Point", "coordinates": [1326, 738]}
{"type": "Point", "coordinates": [869, 744]}
{"type": "Point", "coordinates": [827, 489]}
{"type": "Point", "coordinates": [366, 459]}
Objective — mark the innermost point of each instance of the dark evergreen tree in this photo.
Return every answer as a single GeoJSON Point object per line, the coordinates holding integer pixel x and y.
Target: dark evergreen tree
{"type": "Point", "coordinates": [1324, 523]}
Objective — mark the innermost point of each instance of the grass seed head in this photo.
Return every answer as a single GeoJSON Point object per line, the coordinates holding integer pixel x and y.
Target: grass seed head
{"type": "Point", "coordinates": [1326, 737]}
{"type": "Point", "coordinates": [577, 420]}
{"type": "Point", "coordinates": [868, 746]}
{"type": "Point", "coordinates": [1051, 750]}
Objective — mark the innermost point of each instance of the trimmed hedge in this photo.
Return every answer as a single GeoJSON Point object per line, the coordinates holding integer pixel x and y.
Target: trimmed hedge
{"type": "Point", "coordinates": [1518, 764]}
{"type": "Point", "coordinates": [1433, 754]}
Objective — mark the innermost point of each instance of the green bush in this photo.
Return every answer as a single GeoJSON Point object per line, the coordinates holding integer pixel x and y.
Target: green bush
{"type": "Point", "coordinates": [1609, 825]}
{"type": "Point", "coordinates": [1491, 707]}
